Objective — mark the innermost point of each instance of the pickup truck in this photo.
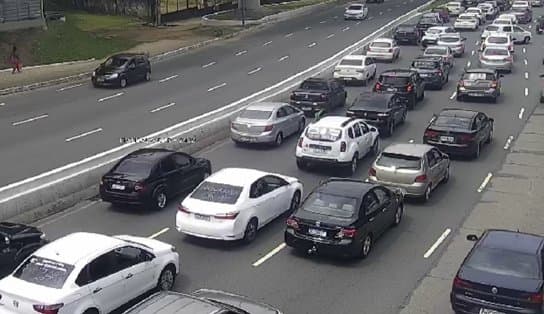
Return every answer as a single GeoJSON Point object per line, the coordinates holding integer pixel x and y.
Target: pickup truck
{"type": "Point", "coordinates": [318, 94]}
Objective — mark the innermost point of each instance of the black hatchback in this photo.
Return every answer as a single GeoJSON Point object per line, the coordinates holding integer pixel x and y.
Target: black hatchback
{"type": "Point", "coordinates": [432, 70]}
{"type": "Point", "coordinates": [407, 34]}
{"type": "Point", "coordinates": [17, 242]}
{"type": "Point", "coordinates": [122, 69]}
{"type": "Point", "coordinates": [406, 83]}
{"type": "Point", "coordinates": [150, 177]}
{"type": "Point", "coordinates": [344, 217]}
{"type": "Point", "coordinates": [503, 273]}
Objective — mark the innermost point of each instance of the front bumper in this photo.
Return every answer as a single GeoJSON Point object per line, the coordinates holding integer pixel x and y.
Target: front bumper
{"type": "Point", "coordinates": [309, 107]}
{"type": "Point", "coordinates": [267, 137]}
{"type": "Point", "coordinates": [415, 189]}
{"type": "Point", "coordinates": [105, 81]}
{"type": "Point", "coordinates": [497, 65]}
{"type": "Point", "coordinates": [226, 230]}
{"type": "Point", "coordinates": [344, 247]}
{"type": "Point", "coordinates": [388, 56]}
{"type": "Point", "coordinates": [465, 304]}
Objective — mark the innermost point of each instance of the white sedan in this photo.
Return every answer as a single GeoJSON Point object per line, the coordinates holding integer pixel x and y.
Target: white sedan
{"type": "Point", "coordinates": [509, 16]}
{"type": "Point", "coordinates": [455, 8]}
{"type": "Point", "coordinates": [521, 4]}
{"type": "Point", "coordinates": [454, 41]}
{"type": "Point", "coordinates": [466, 21]}
{"type": "Point", "coordinates": [432, 34]}
{"type": "Point", "coordinates": [385, 49]}
{"type": "Point", "coordinates": [498, 40]}
{"type": "Point", "coordinates": [356, 11]}
{"type": "Point", "coordinates": [357, 68]}
{"type": "Point", "coordinates": [478, 13]}
{"type": "Point", "coordinates": [85, 273]}
{"type": "Point", "coordinates": [233, 203]}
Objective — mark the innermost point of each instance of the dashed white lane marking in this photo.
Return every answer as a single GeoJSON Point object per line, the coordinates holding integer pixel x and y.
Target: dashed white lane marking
{"type": "Point", "coordinates": [283, 58]}
{"type": "Point", "coordinates": [330, 36]}
{"type": "Point", "coordinates": [486, 181]}
{"type": "Point", "coordinates": [267, 43]}
{"type": "Point", "coordinates": [211, 89]}
{"type": "Point", "coordinates": [526, 75]}
{"type": "Point", "coordinates": [308, 28]}
{"type": "Point", "coordinates": [437, 243]}
{"type": "Point", "coordinates": [477, 42]}
{"type": "Point", "coordinates": [243, 52]}
{"type": "Point", "coordinates": [53, 219]}
{"type": "Point", "coordinates": [389, 10]}
{"type": "Point", "coordinates": [254, 71]}
{"type": "Point", "coordinates": [530, 26]}
{"type": "Point", "coordinates": [381, 13]}
{"type": "Point", "coordinates": [468, 64]}
{"type": "Point", "coordinates": [411, 140]}
{"type": "Point", "coordinates": [311, 45]}
{"type": "Point", "coordinates": [208, 64]}
{"type": "Point", "coordinates": [110, 97]}
{"type": "Point", "coordinates": [2, 104]}
{"type": "Point", "coordinates": [154, 235]}
{"type": "Point", "coordinates": [370, 18]}
{"type": "Point", "coordinates": [43, 116]}
{"type": "Point", "coordinates": [83, 134]}
{"type": "Point", "coordinates": [322, 22]}
{"type": "Point", "coordinates": [453, 95]}
{"type": "Point", "coordinates": [335, 17]}
{"type": "Point", "coordinates": [358, 23]}
{"type": "Point", "coordinates": [508, 142]}
{"type": "Point", "coordinates": [288, 35]}
{"type": "Point", "coordinates": [521, 112]}
{"type": "Point", "coordinates": [526, 91]}
{"type": "Point", "coordinates": [166, 79]}
{"type": "Point", "coordinates": [163, 107]}
{"type": "Point", "coordinates": [345, 29]}
{"type": "Point", "coordinates": [69, 87]}
{"type": "Point", "coordinates": [524, 50]}
{"type": "Point", "coordinates": [472, 52]}
{"type": "Point", "coordinates": [404, 3]}
{"type": "Point", "coordinates": [525, 62]}
{"type": "Point", "coordinates": [269, 255]}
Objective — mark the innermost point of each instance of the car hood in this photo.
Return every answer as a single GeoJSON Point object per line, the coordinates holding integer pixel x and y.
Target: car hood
{"type": "Point", "coordinates": [102, 69]}
{"type": "Point", "coordinates": [501, 281]}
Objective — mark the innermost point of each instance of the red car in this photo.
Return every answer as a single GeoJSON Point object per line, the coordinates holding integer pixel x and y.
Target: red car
{"type": "Point", "coordinates": [443, 12]}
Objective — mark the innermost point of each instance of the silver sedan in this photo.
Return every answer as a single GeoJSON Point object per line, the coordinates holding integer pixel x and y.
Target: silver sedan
{"type": "Point", "coordinates": [267, 122]}
{"type": "Point", "coordinates": [498, 58]}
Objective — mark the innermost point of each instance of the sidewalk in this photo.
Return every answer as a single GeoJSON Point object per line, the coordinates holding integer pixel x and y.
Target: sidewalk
{"type": "Point", "coordinates": [513, 200]}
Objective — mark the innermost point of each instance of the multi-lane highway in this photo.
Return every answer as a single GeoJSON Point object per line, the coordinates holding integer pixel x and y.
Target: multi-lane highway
{"type": "Point", "coordinates": [299, 284]}
{"type": "Point", "coordinates": [46, 129]}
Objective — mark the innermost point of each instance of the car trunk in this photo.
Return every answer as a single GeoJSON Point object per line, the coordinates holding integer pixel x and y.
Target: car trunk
{"type": "Point", "coordinates": [393, 84]}
{"type": "Point", "coordinates": [477, 85]}
{"type": "Point", "coordinates": [494, 58]}
{"type": "Point", "coordinates": [371, 113]}
{"type": "Point", "coordinates": [309, 95]}
{"type": "Point", "coordinates": [121, 183]}
{"type": "Point", "coordinates": [380, 49]}
{"type": "Point", "coordinates": [321, 226]}
{"type": "Point", "coordinates": [205, 210]}
{"type": "Point", "coordinates": [16, 297]}
{"type": "Point", "coordinates": [396, 175]}
{"type": "Point", "coordinates": [249, 126]}
{"type": "Point", "coordinates": [450, 135]}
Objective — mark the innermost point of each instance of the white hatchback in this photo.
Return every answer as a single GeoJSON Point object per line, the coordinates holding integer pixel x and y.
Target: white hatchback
{"type": "Point", "coordinates": [358, 68]}
{"type": "Point", "coordinates": [455, 8]}
{"type": "Point", "coordinates": [84, 273]}
{"type": "Point", "coordinates": [383, 49]}
{"type": "Point", "coordinates": [466, 21]}
{"type": "Point", "coordinates": [233, 203]}
{"type": "Point", "coordinates": [356, 11]}
{"type": "Point", "coordinates": [501, 40]}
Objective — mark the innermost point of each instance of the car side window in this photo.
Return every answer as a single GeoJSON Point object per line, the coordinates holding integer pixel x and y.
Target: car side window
{"type": "Point", "coordinates": [128, 256]}
{"type": "Point", "coordinates": [437, 155]}
{"type": "Point", "coordinates": [181, 160]}
{"type": "Point", "coordinates": [350, 132]}
{"type": "Point", "coordinates": [273, 182]}
{"type": "Point", "coordinates": [281, 113]}
{"type": "Point", "coordinates": [132, 63]}
{"type": "Point", "coordinates": [103, 266]}
{"type": "Point", "coordinates": [507, 29]}
{"type": "Point", "coordinates": [357, 131]}
{"type": "Point", "coordinates": [258, 189]}
{"type": "Point", "coordinates": [289, 110]}
{"type": "Point", "coordinates": [518, 29]}
{"type": "Point", "coordinates": [364, 127]}
{"type": "Point", "coordinates": [140, 61]}
{"type": "Point", "coordinates": [431, 161]}
{"type": "Point", "coordinates": [84, 276]}
{"type": "Point", "coordinates": [167, 165]}
{"type": "Point", "coordinates": [382, 195]}
{"type": "Point", "coordinates": [370, 204]}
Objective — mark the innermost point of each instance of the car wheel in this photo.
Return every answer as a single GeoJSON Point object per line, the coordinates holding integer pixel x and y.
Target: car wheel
{"type": "Point", "coordinates": [422, 95]}
{"type": "Point", "coordinates": [398, 215]}
{"type": "Point", "coordinates": [251, 231]}
{"type": "Point", "coordinates": [391, 128]}
{"type": "Point", "coordinates": [490, 137]}
{"type": "Point", "coordinates": [427, 194]}
{"type": "Point", "coordinates": [91, 311]}
{"type": "Point", "coordinates": [161, 199]}
{"type": "Point", "coordinates": [353, 164]}
{"type": "Point", "coordinates": [295, 201]}
{"type": "Point", "coordinates": [375, 150]}
{"type": "Point", "coordinates": [279, 139]}
{"type": "Point", "coordinates": [366, 246]}
{"type": "Point", "coordinates": [526, 40]}
{"type": "Point", "coordinates": [148, 76]}
{"type": "Point", "coordinates": [301, 125]}
{"type": "Point", "coordinates": [167, 278]}
{"type": "Point", "coordinates": [459, 97]}
{"type": "Point", "coordinates": [403, 119]}
{"type": "Point", "coordinates": [477, 151]}
{"type": "Point", "coordinates": [301, 165]}
{"type": "Point", "coordinates": [374, 74]}
{"type": "Point", "coordinates": [542, 99]}
{"type": "Point", "coordinates": [446, 175]}
{"type": "Point", "coordinates": [123, 83]}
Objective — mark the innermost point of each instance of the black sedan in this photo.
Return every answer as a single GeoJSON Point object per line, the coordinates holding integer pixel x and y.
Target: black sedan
{"type": "Point", "coordinates": [122, 69]}
{"type": "Point", "coordinates": [503, 273]}
{"type": "Point", "coordinates": [434, 72]}
{"type": "Point", "coordinates": [384, 111]}
{"type": "Point", "coordinates": [150, 177]}
{"type": "Point", "coordinates": [344, 217]}
{"type": "Point", "coordinates": [17, 242]}
{"type": "Point", "coordinates": [459, 131]}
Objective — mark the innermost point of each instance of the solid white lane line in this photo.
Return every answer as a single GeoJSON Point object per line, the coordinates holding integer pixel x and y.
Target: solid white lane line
{"type": "Point", "coordinates": [154, 235]}
{"type": "Point", "coordinates": [508, 142]}
{"type": "Point", "coordinates": [211, 89]}
{"type": "Point", "coordinates": [30, 120]}
{"type": "Point", "coordinates": [411, 140]}
{"type": "Point", "coordinates": [270, 254]}
{"type": "Point", "coordinates": [69, 87]}
{"type": "Point", "coordinates": [254, 71]}
{"type": "Point", "coordinates": [437, 243]}
{"type": "Point", "coordinates": [239, 53]}
{"type": "Point", "coordinates": [208, 64]}
{"type": "Point", "coordinates": [308, 28]}
{"type": "Point", "coordinates": [526, 91]}
{"type": "Point", "coordinates": [2, 104]}
{"type": "Point", "coordinates": [530, 26]}
{"type": "Point", "coordinates": [468, 64]}
{"type": "Point", "coordinates": [524, 50]}
{"type": "Point", "coordinates": [311, 45]}
{"type": "Point", "coordinates": [288, 35]}
{"type": "Point", "coordinates": [110, 97]}
{"type": "Point", "coordinates": [381, 13]}
{"type": "Point", "coordinates": [526, 75]}
{"type": "Point", "coordinates": [525, 61]}
{"type": "Point", "coordinates": [83, 135]}
{"type": "Point", "coordinates": [163, 107]}
{"type": "Point", "coordinates": [484, 184]}
{"type": "Point", "coordinates": [358, 23]}
{"type": "Point", "coordinates": [267, 43]}
{"type": "Point", "coordinates": [166, 79]}
{"type": "Point", "coordinates": [283, 58]}
{"type": "Point", "coordinates": [453, 95]}
{"type": "Point", "coordinates": [477, 42]}
{"type": "Point", "coordinates": [345, 29]}
{"type": "Point", "coordinates": [330, 36]}
{"type": "Point", "coordinates": [521, 112]}
{"type": "Point", "coordinates": [322, 22]}
{"type": "Point", "coordinates": [472, 52]}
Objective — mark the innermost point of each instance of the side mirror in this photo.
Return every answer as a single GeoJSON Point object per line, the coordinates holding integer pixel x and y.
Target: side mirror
{"type": "Point", "coordinates": [541, 75]}
{"type": "Point", "coordinates": [472, 237]}
{"type": "Point", "coordinates": [501, 75]}
{"type": "Point", "coordinates": [491, 120]}
{"type": "Point", "coordinates": [373, 129]}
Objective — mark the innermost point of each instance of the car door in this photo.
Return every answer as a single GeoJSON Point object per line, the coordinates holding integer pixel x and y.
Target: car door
{"type": "Point", "coordinates": [373, 214]}
{"type": "Point", "coordinates": [282, 122]}
{"type": "Point", "coordinates": [295, 118]}
{"type": "Point", "coordinates": [132, 71]}
{"type": "Point", "coordinates": [370, 67]}
{"type": "Point", "coordinates": [518, 33]}
{"type": "Point", "coordinates": [190, 173]}
{"type": "Point", "coordinates": [359, 139]}
{"type": "Point", "coordinates": [336, 91]}
{"type": "Point", "coordinates": [485, 126]}
{"type": "Point", "coordinates": [387, 205]}
{"type": "Point", "coordinates": [137, 268]}
{"type": "Point", "coordinates": [140, 68]}
{"type": "Point", "coordinates": [170, 175]}
{"type": "Point", "coordinates": [479, 127]}
{"type": "Point", "coordinates": [433, 170]}
{"type": "Point", "coordinates": [280, 195]}
{"type": "Point", "coordinates": [441, 164]}
{"type": "Point", "coordinates": [367, 137]}
{"type": "Point", "coordinates": [261, 202]}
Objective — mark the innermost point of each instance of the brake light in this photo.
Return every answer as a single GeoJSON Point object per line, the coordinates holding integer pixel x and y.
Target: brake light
{"type": "Point", "coordinates": [343, 146]}
{"type": "Point", "coordinates": [378, 86]}
{"type": "Point", "coordinates": [229, 216]}
{"type": "Point", "coordinates": [292, 222]}
{"type": "Point", "coordinates": [421, 178]}
{"type": "Point", "coordinates": [183, 209]}
{"type": "Point", "coordinates": [409, 88]}
{"type": "Point", "coordinates": [494, 84]}
{"type": "Point", "coordinates": [233, 126]}
{"type": "Point", "coordinates": [139, 187]}
{"type": "Point", "coordinates": [460, 283]}
{"type": "Point", "coordinates": [461, 83]}
{"type": "Point", "coordinates": [48, 309]}
{"type": "Point", "coordinates": [440, 73]}
{"type": "Point", "coordinates": [536, 298]}
{"type": "Point", "coordinates": [464, 138]}
{"type": "Point", "coordinates": [430, 133]}
{"type": "Point", "coordinates": [268, 128]}
{"type": "Point", "coordinates": [324, 97]}
{"type": "Point", "coordinates": [347, 233]}
{"type": "Point", "coordinates": [371, 172]}
{"type": "Point", "coordinates": [300, 141]}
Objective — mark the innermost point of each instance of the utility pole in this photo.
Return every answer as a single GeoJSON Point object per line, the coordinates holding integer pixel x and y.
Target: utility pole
{"type": "Point", "coordinates": [243, 13]}
{"type": "Point", "coordinates": [157, 12]}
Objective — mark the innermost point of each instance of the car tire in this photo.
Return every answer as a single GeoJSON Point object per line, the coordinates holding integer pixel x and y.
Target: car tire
{"type": "Point", "coordinates": [422, 95]}
{"type": "Point", "coordinates": [412, 102]}
{"type": "Point", "coordinates": [542, 99]}
{"type": "Point", "coordinates": [477, 152]}
{"type": "Point", "coordinates": [375, 150]}
{"type": "Point", "coordinates": [301, 165]}
{"type": "Point", "coordinates": [301, 125]}
{"type": "Point", "coordinates": [403, 119]}
{"type": "Point", "coordinates": [91, 311]}
{"type": "Point", "coordinates": [427, 194]}
{"type": "Point", "coordinates": [251, 230]}
{"type": "Point", "coordinates": [490, 137]}
{"type": "Point", "coordinates": [526, 40]}
{"type": "Point", "coordinates": [167, 278]}
{"type": "Point", "coordinates": [279, 140]}
{"type": "Point", "coordinates": [160, 199]}
{"type": "Point", "coordinates": [446, 175]}
{"type": "Point", "coordinates": [352, 168]}
{"type": "Point", "coordinates": [295, 201]}
{"type": "Point", "coordinates": [366, 246]}
{"type": "Point", "coordinates": [390, 129]}
{"type": "Point", "coordinates": [147, 77]}
{"type": "Point", "coordinates": [123, 83]}
{"type": "Point", "coordinates": [398, 215]}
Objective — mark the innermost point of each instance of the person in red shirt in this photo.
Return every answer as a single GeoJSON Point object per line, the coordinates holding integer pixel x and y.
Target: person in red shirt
{"type": "Point", "coordinates": [15, 61]}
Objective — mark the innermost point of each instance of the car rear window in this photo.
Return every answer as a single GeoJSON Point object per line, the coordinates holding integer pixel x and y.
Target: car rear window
{"type": "Point", "coordinates": [505, 263]}
{"type": "Point", "coordinates": [323, 134]}
{"type": "Point", "coordinates": [453, 122]}
{"type": "Point", "coordinates": [519, 9]}
{"type": "Point", "coordinates": [399, 161]}
{"type": "Point", "coordinates": [449, 39]}
{"type": "Point", "coordinates": [380, 44]}
{"type": "Point", "coordinates": [433, 31]}
{"type": "Point", "coordinates": [465, 17]}
{"type": "Point", "coordinates": [355, 7]}
{"type": "Point", "coordinates": [478, 76]}
{"type": "Point", "coordinates": [435, 51]}
{"type": "Point", "coordinates": [425, 65]}
{"type": "Point", "coordinates": [394, 80]}
{"type": "Point", "coordinates": [133, 165]}
{"type": "Point", "coordinates": [405, 29]}
{"type": "Point", "coordinates": [351, 62]}
{"type": "Point", "coordinates": [44, 272]}
{"type": "Point", "coordinates": [330, 205]}
{"type": "Point", "coordinates": [502, 22]}
{"type": "Point", "coordinates": [314, 85]}
{"type": "Point", "coordinates": [255, 114]}
{"type": "Point", "coordinates": [497, 40]}
{"type": "Point", "coordinates": [217, 193]}
{"type": "Point", "coordinates": [492, 28]}
{"type": "Point", "coordinates": [495, 52]}
{"type": "Point", "coordinates": [427, 20]}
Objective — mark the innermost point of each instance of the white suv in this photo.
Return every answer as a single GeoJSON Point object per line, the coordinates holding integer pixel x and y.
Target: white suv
{"type": "Point", "coordinates": [336, 141]}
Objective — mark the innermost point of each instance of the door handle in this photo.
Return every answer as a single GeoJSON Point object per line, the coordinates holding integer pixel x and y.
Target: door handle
{"type": "Point", "coordinates": [385, 209]}
{"type": "Point", "coordinates": [97, 290]}
{"type": "Point", "coordinates": [129, 276]}
{"type": "Point", "coordinates": [372, 219]}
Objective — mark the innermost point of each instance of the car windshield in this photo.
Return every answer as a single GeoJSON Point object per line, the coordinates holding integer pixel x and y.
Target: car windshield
{"type": "Point", "coordinates": [425, 65]}
{"type": "Point", "coordinates": [255, 114]}
{"type": "Point", "coordinates": [217, 193]}
{"type": "Point", "coordinates": [478, 76]}
{"type": "Point", "coordinates": [323, 134]}
{"type": "Point", "coordinates": [44, 272]}
{"type": "Point", "coordinates": [452, 122]}
{"type": "Point", "coordinates": [351, 62]}
{"type": "Point", "coordinates": [497, 40]}
{"type": "Point", "coordinates": [355, 7]}
{"type": "Point", "coordinates": [449, 39]}
{"type": "Point", "coordinates": [495, 52]}
{"type": "Point", "coordinates": [435, 51]}
{"type": "Point", "coordinates": [116, 62]}
{"type": "Point", "coordinates": [399, 161]}
{"type": "Point", "coordinates": [502, 22]}
{"type": "Point", "coordinates": [380, 44]}
{"type": "Point", "coordinates": [394, 80]}
{"type": "Point", "coordinates": [375, 102]}
{"type": "Point", "coordinates": [330, 205]}
{"type": "Point", "coordinates": [132, 165]}
{"type": "Point", "coordinates": [504, 263]}
{"type": "Point", "coordinates": [314, 85]}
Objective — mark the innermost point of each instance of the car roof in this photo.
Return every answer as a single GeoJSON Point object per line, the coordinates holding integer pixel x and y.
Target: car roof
{"type": "Point", "coordinates": [398, 72]}
{"type": "Point", "coordinates": [345, 187]}
{"type": "Point", "coordinates": [267, 106]}
{"type": "Point", "coordinates": [76, 247]}
{"type": "Point", "coordinates": [383, 39]}
{"type": "Point", "coordinates": [331, 121]}
{"type": "Point", "coordinates": [128, 55]}
{"type": "Point", "coordinates": [428, 58]}
{"type": "Point", "coordinates": [357, 3]}
{"type": "Point", "coordinates": [408, 149]}
{"type": "Point", "coordinates": [172, 303]}
{"type": "Point", "coordinates": [439, 27]}
{"type": "Point", "coordinates": [151, 154]}
{"type": "Point", "coordinates": [480, 70]}
{"type": "Point", "coordinates": [456, 112]}
{"type": "Point", "coordinates": [512, 241]}
{"type": "Point", "coordinates": [354, 57]}
{"type": "Point", "coordinates": [237, 176]}
{"type": "Point", "coordinates": [450, 35]}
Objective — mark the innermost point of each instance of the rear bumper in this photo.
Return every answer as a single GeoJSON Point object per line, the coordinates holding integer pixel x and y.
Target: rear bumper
{"type": "Point", "coordinates": [230, 230]}
{"type": "Point", "coordinates": [357, 76]}
{"type": "Point", "coordinates": [463, 304]}
{"type": "Point", "coordinates": [354, 17]}
{"type": "Point", "coordinates": [406, 39]}
{"type": "Point", "coordinates": [380, 55]}
{"type": "Point", "coordinates": [428, 42]}
{"type": "Point", "coordinates": [252, 138]}
{"type": "Point", "coordinates": [411, 190]}
{"type": "Point", "coordinates": [432, 81]}
{"type": "Point", "coordinates": [309, 106]}
{"type": "Point", "coordinates": [304, 243]}
{"type": "Point", "coordinates": [124, 198]}
{"type": "Point", "coordinates": [323, 161]}
{"type": "Point", "coordinates": [504, 66]}
{"type": "Point", "coordinates": [453, 149]}
{"type": "Point", "coordinates": [482, 93]}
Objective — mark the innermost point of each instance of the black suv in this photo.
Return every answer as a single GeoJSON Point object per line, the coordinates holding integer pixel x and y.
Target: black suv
{"type": "Point", "coordinates": [17, 242]}
{"type": "Point", "coordinates": [404, 82]}
{"type": "Point", "coordinates": [382, 110]}
{"type": "Point", "coordinates": [344, 217]}
{"type": "Point", "coordinates": [122, 69]}
{"type": "Point", "coordinates": [151, 176]}
{"type": "Point", "coordinates": [407, 34]}
{"type": "Point", "coordinates": [539, 25]}
{"type": "Point", "coordinates": [315, 94]}
{"type": "Point", "coordinates": [479, 83]}
{"type": "Point", "coordinates": [432, 70]}
{"type": "Point", "coordinates": [426, 22]}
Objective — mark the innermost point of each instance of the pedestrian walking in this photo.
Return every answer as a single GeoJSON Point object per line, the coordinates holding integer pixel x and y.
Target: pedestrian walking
{"type": "Point", "coordinates": [15, 60]}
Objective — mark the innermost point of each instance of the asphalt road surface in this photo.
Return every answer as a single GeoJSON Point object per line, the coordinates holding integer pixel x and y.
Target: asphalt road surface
{"type": "Point", "coordinates": [299, 284]}
{"type": "Point", "coordinates": [46, 129]}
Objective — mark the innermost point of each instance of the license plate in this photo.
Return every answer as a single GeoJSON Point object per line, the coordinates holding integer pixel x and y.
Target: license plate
{"type": "Point", "coordinates": [118, 187]}
{"type": "Point", "coordinates": [424, 75]}
{"type": "Point", "coordinates": [476, 94]}
{"type": "Point", "coordinates": [446, 139]}
{"type": "Point", "coordinates": [317, 232]}
{"type": "Point", "coordinates": [247, 139]}
{"type": "Point", "coordinates": [488, 311]}
{"type": "Point", "coordinates": [319, 151]}
{"type": "Point", "coordinates": [306, 108]}
{"type": "Point", "coordinates": [202, 217]}
{"type": "Point", "coordinates": [390, 89]}
{"type": "Point", "coordinates": [100, 80]}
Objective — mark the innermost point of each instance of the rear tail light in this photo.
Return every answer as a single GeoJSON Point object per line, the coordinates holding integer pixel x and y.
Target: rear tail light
{"type": "Point", "coordinates": [460, 283]}
{"type": "Point", "coordinates": [293, 95]}
{"type": "Point", "coordinates": [440, 73]}
{"type": "Point", "coordinates": [409, 88]}
{"type": "Point", "coordinates": [537, 298]}
{"type": "Point", "coordinates": [378, 86]}
{"type": "Point", "coordinates": [139, 186]}
{"type": "Point", "coordinates": [292, 222]}
{"type": "Point", "coordinates": [461, 83]}
{"type": "Point", "coordinates": [268, 128]}
{"type": "Point", "coordinates": [324, 97]}
{"type": "Point", "coordinates": [233, 126]}
{"type": "Point", "coordinates": [371, 172]}
{"type": "Point", "coordinates": [465, 138]}
{"type": "Point", "coordinates": [183, 209]}
{"type": "Point", "coordinates": [300, 141]}
{"type": "Point", "coordinates": [421, 178]}
{"type": "Point", "coordinates": [346, 233]}
{"type": "Point", "coordinates": [48, 309]}
{"type": "Point", "coordinates": [431, 134]}
{"type": "Point", "coordinates": [343, 146]}
{"type": "Point", "coordinates": [228, 216]}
